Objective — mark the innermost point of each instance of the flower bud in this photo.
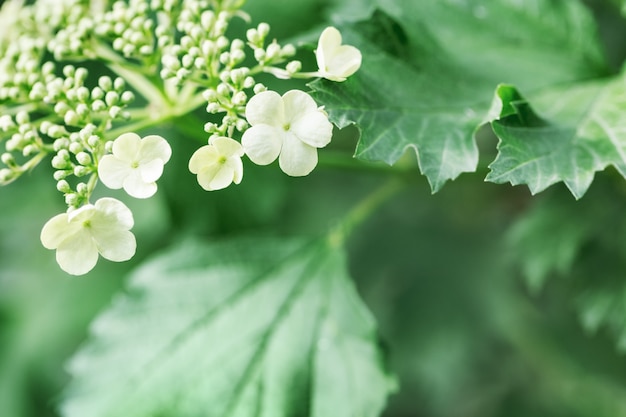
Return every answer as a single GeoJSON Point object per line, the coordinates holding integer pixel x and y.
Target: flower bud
{"type": "Point", "coordinates": [253, 36]}
{"type": "Point", "coordinates": [127, 97]}
{"type": "Point", "coordinates": [83, 158]}
{"type": "Point", "coordinates": [273, 51]}
{"type": "Point", "coordinates": [223, 90]}
{"type": "Point", "coordinates": [82, 109]}
{"type": "Point", "coordinates": [111, 98]}
{"type": "Point", "coordinates": [71, 118]}
{"type": "Point", "coordinates": [105, 83]}
{"type": "Point", "coordinates": [288, 50]}
{"type": "Point", "coordinates": [259, 54]}
{"type": "Point", "coordinates": [56, 131]}
{"type": "Point", "coordinates": [82, 93]}
{"type": "Point", "coordinates": [236, 45]}
{"type": "Point", "coordinates": [293, 67]}
{"type": "Point", "coordinates": [80, 171]}
{"type": "Point", "coordinates": [248, 82]}
{"type": "Point", "coordinates": [22, 118]}
{"type": "Point", "coordinates": [59, 163]}
{"type": "Point", "coordinates": [75, 147]}
{"type": "Point", "coordinates": [29, 150]}
{"type": "Point", "coordinates": [241, 125]}
{"type": "Point", "coordinates": [98, 106]}
{"type": "Point", "coordinates": [93, 140]}
{"type": "Point", "coordinates": [114, 111]}
{"type": "Point", "coordinates": [6, 122]}
{"type": "Point", "coordinates": [60, 174]}
{"type": "Point", "coordinates": [240, 98]}
{"type": "Point", "coordinates": [119, 84]}
{"type": "Point", "coordinates": [212, 108]}
{"type": "Point", "coordinates": [8, 159]}
{"type": "Point", "coordinates": [71, 199]}
{"type": "Point", "coordinates": [263, 29]}
{"type": "Point", "coordinates": [81, 188]}
{"type": "Point", "coordinates": [5, 175]}
{"type": "Point", "coordinates": [63, 186]}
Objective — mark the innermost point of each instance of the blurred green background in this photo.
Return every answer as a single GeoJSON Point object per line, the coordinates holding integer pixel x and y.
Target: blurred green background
{"type": "Point", "coordinates": [443, 274]}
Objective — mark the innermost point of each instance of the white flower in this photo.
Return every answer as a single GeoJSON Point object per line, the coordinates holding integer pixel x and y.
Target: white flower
{"type": "Point", "coordinates": [291, 126]}
{"type": "Point", "coordinates": [135, 164]}
{"type": "Point", "coordinates": [79, 236]}
{"type": "Point", "coordinates": [218, 163]}
{"type": "Point", "coordinates": [335, 61]}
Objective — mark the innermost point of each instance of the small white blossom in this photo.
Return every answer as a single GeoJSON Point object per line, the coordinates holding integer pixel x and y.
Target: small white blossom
{"type": "Point", "coordinates": [80, 235]}
{"type": "Point", "coordinates": [289, 128]}
{"type": "Point", "coordinates": [218, 163]}
{"type": "Point", "coordinates": [335, 61]}
{"type": "Point", "coordinates": [135, 164]}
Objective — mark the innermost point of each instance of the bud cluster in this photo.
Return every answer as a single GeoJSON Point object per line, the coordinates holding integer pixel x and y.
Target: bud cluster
{"type": "Point", "coordinates": [24, 148]}
{"type": "Point", "coordinates": [73, 31]}
{"type": "Point", "coordinates": [201, 44]}
{"type": "Point", "coordinates": [20, 69]}
{"type": "Point", "coordinates": [79, 105]}
{"type": "Point", "coordinates": [130, 26]}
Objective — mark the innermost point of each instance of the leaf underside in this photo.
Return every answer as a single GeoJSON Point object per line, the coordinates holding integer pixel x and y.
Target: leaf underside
{"type": "Point", "coordinates": [586, 133]}
{"type": "Point", "coordinates": [259, 327]}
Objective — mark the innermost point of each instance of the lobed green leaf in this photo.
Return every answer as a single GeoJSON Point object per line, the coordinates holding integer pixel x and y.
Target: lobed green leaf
{"type": "Point", "coordinates": [585, 133]}
{"type": "Point", "coordinates": [430, 68]}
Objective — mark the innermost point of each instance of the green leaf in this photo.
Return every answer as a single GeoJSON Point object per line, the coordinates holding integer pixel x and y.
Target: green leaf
{"type": "Point", "coordinates": [580, 242]}
{"type": "Point", "coordinates": [547, 239]}
{"type": "Point", "coordinates": [586, 132]}
{"type": "Point", "coordinates": [430, 68]}
{"type": "Point", "coordinates": [257, 327]}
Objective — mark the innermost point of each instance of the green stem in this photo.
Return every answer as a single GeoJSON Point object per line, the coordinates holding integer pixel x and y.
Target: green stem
{"type": "Point", "coordinates": [363, 210]}
{"type": "Point", "coordinates": [147, 119]}
{"type": "Point", "coordinates": [342, 160]}
{"type": "Point", "coordinates": [138, 81]}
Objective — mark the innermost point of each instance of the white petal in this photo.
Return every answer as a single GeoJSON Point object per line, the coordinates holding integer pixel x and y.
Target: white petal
{"type": "Point", "coordinates": [136, 187]}
{"type": "Point", "coordinates": [206, 175]}
{"type": "Point", "coordinates": [154, 147]}
{"type": "Point", "coordinates": [126, 146]}
{"type": "Point", "coordinates": [297, 158]}
{"type": "Point", "coordinates": [113, 171]}
{"type": "Point", "coordinates": [204, 156]}
{"type": "Point", "coordinates": [314, 129]}
{"type": "Point", "coordinates": [297, 104]}
{"type": "Point", "coordinates": [262, 143]}
{"type": "Point", "coordinates": [77, 254]}
{"type": "Point", "coordinates": [345, 62]}
{"type": "Point", "coordinates": [228, 147]}
{"type": "Point", "coordinates": [55, 231]}
{"type": "Point", "coordinates": [223, 177]}
{"type": "Point", "coordinates": [115, 245]}
{"type": "Point", "coordinates": [82, 214]}
{"type": "Point", "coordinates": [329, 40]}
{"type": "Point", "coordinates": [112, 213]}
{"type": "Point", "coordinates": [266, 108]}
{"type": "Point", "coordinates": [151, 171]}
{"type": "Point", "coordinates": [237, 167]}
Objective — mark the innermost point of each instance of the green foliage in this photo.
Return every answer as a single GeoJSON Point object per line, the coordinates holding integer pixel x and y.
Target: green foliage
{"type": "Point", "coordinates": [561, 238]}
{"type": "Point", "coordinates": [264, 327]}
{"type": "Point", "coordinates": [220, 325]}
{"type": "Point", "coordinates": [587, 134]}
{"type": "Point", "coordinates": [430, 70]}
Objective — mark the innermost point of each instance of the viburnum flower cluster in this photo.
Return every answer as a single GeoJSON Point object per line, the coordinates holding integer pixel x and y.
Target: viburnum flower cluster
{"type": "Point", "coordinates": [89, 127]}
